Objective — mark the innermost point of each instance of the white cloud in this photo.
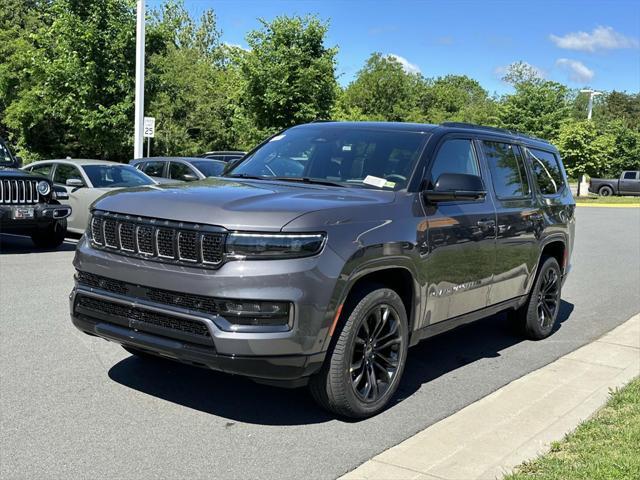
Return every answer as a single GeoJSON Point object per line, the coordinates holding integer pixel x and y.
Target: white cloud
{"type": "Point", "coordinates": [601, 38]}
{"type": "Point", "coordinates": [406, 64]}
{"type": "Point", "coordinates": [578, 71]}
{"type": "Point", "coordinates": [235, 45]}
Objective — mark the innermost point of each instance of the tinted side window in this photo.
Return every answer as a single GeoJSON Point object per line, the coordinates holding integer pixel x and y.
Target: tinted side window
{"type": "Point", "coordinates": [454, 156]}
{"type": "Point", "coordinates": [153, 169]}
{"type": "Point", "coordinates": [65, 172]}
{"type": "Point", "coordinates": [44, 170]}
{"type": "Point", "coordinates": [179, 171]}
{"type": "Point", "coordinates": [546, 170]}
{"type": "Point", "coordinates": [507, 170]}
{"type": "Point", "coordinates": [630, 176]}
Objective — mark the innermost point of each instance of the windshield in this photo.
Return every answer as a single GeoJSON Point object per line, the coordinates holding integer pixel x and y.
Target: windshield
{"type": "Point", "coordinates": [5, 155]}
{"type": "Point", "coordinates": [209, 168]}
{"type": "Point", "coordinates": [344, 156]}
{"type": "Point", "coordinates": [109, 176]}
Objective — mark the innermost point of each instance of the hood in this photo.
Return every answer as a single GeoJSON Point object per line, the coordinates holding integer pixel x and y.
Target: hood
{"type": "Point", "coordinates": [20, 174]}
{"type": "Point", "coordinates": [237, 205]}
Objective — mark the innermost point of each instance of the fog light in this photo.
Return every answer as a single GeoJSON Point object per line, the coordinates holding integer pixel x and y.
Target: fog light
{"type": "Point", "coordinates": [252, 312]}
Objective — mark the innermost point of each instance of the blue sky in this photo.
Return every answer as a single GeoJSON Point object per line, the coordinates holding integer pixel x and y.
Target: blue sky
{"type": "Point", "coordinates": [579, 43]}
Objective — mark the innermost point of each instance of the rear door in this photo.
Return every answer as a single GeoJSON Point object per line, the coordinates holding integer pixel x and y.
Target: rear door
{"type": "Point", "coordinates": [459, 257]}
{"type": "Point", "coordinates": [519, 220]}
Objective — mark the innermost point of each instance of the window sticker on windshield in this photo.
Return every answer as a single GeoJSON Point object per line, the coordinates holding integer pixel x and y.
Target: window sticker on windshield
{"type": "Point", "coordinates": [388, 184]}
{"type": "Point", "coordinates": [375, 181]}
{"type": "Point", "coordinates": [277, 137]}
{"type": "Point", "coordinates": [346, 148]}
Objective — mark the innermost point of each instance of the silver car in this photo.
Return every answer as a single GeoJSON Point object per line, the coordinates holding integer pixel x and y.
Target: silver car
{"type": "Point", "coordinates": [86, 181]}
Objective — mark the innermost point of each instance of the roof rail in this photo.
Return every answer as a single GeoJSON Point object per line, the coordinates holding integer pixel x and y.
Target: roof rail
{"type": "Point", "coordinates": [491, 129]}
{"type": "Point", "coordinates": [321, 121]}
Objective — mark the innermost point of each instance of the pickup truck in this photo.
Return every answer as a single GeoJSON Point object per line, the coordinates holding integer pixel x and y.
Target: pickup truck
{"type": "Point", "coordinates": [627, 184]}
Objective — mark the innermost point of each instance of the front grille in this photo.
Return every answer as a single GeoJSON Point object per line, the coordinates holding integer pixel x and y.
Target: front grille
{"type": "Point", "coordinates": [158, 240]}
{"type": "Point", "coordinates": [19, 192]}
{"type": "Point", "coordinates": [198, 303]}
{"type": "Point", "coordinates": [141, 319]}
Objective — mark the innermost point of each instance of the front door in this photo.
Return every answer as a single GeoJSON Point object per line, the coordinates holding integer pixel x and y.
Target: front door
{"type": "Point", "coordinates": [77, 221]}
{"type": "Point", "coordinates": [519, 220]}
{"type": "Point", "coordinates": [459, 253]}
{"type": "Point", "coordinates": [629, 183]}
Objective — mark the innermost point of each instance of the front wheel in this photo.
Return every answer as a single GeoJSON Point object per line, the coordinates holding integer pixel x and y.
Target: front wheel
{"type": "Point", "coordinates": [51, 236]}
{"type": "Point", "coordinates": [365, 363]}
{"type": "Point", "coordinates": [539, 315]}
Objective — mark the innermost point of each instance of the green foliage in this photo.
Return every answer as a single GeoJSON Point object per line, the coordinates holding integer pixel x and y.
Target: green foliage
{"type": "Point", "coordinates": [289, 73]}
{"type": "Point", "coordinates": [382, 90]}
{"type": "Point", "coordinates": [537, 107]}
{"type": "Point", "coordinates": [584, 149]}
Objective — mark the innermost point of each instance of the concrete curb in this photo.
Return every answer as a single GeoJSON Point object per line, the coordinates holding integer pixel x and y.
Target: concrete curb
{"type": "Point", "coordinates": [518, 422]}
{"type": "Point", "coordinates": [608, 205]}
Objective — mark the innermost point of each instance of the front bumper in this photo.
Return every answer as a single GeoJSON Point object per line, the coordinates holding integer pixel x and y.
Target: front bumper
{"type": "Point", "coordinates": [43, 215]}
{"type": "Point", "coordinates": [266, 354]}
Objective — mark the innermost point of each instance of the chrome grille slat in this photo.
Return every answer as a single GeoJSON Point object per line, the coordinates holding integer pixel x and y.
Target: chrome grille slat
{"type": "Point", "coordinates": [158, 240]}
{"type": "Point", "coordinates": [19, 192]}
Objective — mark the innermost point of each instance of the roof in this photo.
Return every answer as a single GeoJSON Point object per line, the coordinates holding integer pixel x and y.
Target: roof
{"type": "Point", "coordinates": [164, 159]}
{"type": "Point", "coordinates": [398, 126]}
{"type": "Point", "coordinates": [77, 161]}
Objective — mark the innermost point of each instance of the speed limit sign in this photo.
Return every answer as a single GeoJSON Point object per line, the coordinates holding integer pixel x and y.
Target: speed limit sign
{"type": "Point", "coordinates": [149, 127]}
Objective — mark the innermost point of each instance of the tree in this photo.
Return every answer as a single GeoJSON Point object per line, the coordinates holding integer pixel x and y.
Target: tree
{"type": "Point", "coordinates": [585, 150]}
{"type": "Point", "coordinates": [458, 98]}
{"type": "Point", "coordinates": [289, 73]}
{"type": "Point", "coordinates": [537, 108]}
{"type": "Point", "coordinates": [521, 72]}
{"type": "Point", "coordinates": [74, 92]}
{"type": "Point", "coordinates": [383, 90]}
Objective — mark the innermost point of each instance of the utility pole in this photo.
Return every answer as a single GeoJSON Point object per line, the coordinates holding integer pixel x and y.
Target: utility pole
{"type": "Point", "coordinates": [592, 93]}
{"type": "Point", "coordinates": [138, 145]}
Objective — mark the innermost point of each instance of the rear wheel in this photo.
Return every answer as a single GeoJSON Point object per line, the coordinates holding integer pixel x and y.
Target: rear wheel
{"type": "Point", "coordinates": [364, 366]}
{"type": "Point", "coordinates": [539, 315]}
{"type": "Point", "coordinates": [51, 236]}
{"type": "Point", "coordinates": [605, 191]}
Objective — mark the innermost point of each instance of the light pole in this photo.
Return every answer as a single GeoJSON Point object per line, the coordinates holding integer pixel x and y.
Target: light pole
{"type": "Point", "coordinates": [138, 141]}
{"type": "Point", "coordinates": [592, 93]}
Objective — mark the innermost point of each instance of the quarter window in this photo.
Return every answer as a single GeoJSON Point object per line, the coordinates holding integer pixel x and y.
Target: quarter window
{"type": "Point", "coordinates": [507, 169]}
{"type": "Point", "coordinates": [44, 170]}
{"type": "Point", "coordinates": [454, 156]}
{"type": "Point", "coordinates": [546, 170]}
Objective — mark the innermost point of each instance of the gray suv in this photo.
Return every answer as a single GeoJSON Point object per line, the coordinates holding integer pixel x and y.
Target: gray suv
{"type": "Point", "coordinates": [328, 251]}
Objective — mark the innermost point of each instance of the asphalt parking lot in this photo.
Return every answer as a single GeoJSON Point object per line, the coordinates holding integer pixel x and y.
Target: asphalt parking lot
{"type": "Point", "coordinates": [74, 406]}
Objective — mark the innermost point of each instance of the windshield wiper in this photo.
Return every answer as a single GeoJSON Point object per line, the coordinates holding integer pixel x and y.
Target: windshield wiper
{"type": "Point", "coordinates": [246, 175]}
{"type": "Point", "coordinates": [308, 180]}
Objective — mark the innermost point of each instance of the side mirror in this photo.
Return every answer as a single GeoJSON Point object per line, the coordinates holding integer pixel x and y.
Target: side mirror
{"type": "Point", "coordinates": [456, 186]}
{"type": "Point", "coordinates": [74, 182]}
{"type": "Point", "coordinates": [189, 177]}
{"type": "Point", "coordinates": [19, 161]}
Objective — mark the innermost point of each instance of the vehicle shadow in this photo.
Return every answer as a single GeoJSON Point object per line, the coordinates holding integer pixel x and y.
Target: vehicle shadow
{"type": "Point", "coordinates": [18, 244]}
{"type": "Point", "coordinates": [239, 399]}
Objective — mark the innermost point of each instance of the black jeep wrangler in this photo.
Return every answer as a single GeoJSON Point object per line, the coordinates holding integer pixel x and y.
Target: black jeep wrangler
{"type": "Point", "coordinates": [29, 205]}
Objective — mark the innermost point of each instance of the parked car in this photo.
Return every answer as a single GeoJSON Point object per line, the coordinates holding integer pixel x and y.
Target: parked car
{"type": "Point", "coordinates": [85, 181]}
{"type": "Point", "coordinates": [627, 184]}
{"type": "Point", "coordinates": [225, 156]}
{"type": "Point", "coordinates": [389, 234]}
{"type": "Point", "coordinates": [29, 205]}
{"type": "Point", "coordinates": [179, 169]}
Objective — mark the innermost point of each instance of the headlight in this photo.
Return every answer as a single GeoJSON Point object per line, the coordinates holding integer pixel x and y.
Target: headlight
{"type": "Point", "coordinates": [43, 188]}
{"type": "Point", "coordinates": [274, 245]}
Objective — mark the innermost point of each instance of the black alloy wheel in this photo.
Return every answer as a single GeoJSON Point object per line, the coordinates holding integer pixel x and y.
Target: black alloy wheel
{"type": "Point", "coordinates": [548, 298]}
{"type": "Point", "coordinates": [376, 353]}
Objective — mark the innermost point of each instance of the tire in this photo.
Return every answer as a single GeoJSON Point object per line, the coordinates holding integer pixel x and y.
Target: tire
{"type": "Point", "coordinates": [51, 236]}
{"type": "Point", "coordinates": [605, 191]}
{"type": "Point", "coordinates": [538, 317]}
{"type": "Point", "coordinates": [356, 353]}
